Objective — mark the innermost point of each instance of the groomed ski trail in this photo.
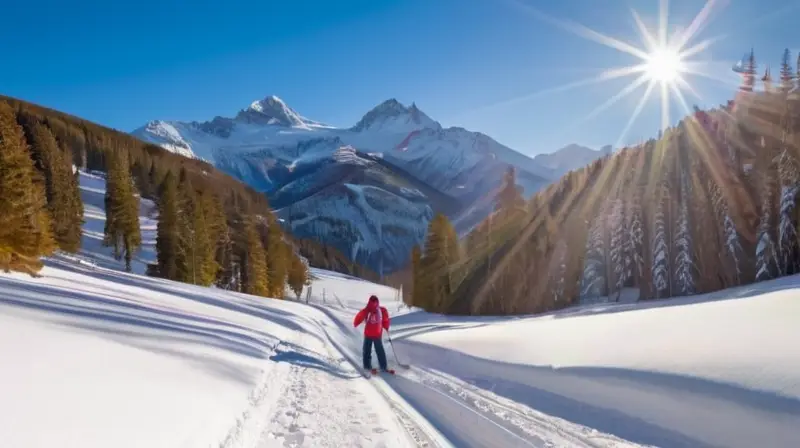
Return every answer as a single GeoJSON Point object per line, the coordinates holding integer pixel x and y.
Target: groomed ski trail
{"type": "Point", "coordinates": [463, 415]}
{"type": "Point", "coordinates": [320, 406]}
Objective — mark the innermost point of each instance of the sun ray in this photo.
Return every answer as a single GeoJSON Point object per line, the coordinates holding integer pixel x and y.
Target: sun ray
{"type": "Point", "coordinates": [698, 23]}
{"type": "Point", "coordinates": [582, 31]}
{"type": "Point", "coordinates": [681, 99]}
{"type": "Point", "coordinates": [665, 120]}
{"type": "Point", "coordinates": [683, 83]}
{"type": "Point", "coordinates": [663, 14]}
{"type": "Point", "coordinates": [664, 61]}
{"type": "Point", "coordinates": [607, 75]}
{"type": "Point", "coordinates": [726, 82]}
{"type": "Point", "coordinates": [636, 112]}
{"type": "Point", "coordinates": [699, 47]}
{"type": "Point", "coordinates": [649, 40]}
{"type": "Point", "coordinates": [613, 100]}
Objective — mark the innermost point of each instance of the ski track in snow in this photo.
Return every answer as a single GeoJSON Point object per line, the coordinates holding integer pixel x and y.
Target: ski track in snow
{"type": "Point", "coordinates": [468, 416]}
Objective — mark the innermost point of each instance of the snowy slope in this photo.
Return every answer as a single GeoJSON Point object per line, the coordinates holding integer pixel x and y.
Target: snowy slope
{"type": "Point", "coordinates": [274, 149]}
{"type": "Point", "coordinates": [716, 370]}
{"type": "Point", "coordinates": [123, 360]}
{"type": "Point", "coordinates": [94, 357]}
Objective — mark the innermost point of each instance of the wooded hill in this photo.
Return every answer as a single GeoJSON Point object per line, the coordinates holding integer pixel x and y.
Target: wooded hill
{"type": "Point", "coordinates": [711, 204]}
{"type": "Point", "coordinates": [214, 229]}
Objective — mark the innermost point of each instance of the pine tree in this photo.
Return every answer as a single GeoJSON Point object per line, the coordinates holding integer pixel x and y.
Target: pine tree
{"type": "Point", "coordinates": [684, 261]}
{"type": "Point", "coordinates": [61, 186]}
{"type": "Point", "coordinates": [122, 230]}
{"type": "Point", "coordinates": [634, 240]}
{"type": "Point", "coordinates": [557, 274]}
{"type": "Point", "coordinates": [255, 269]}
{"type": "Point", "coordinates": [167, 233]}
{"type": "Point", "coordinates": [766, 250]}
{"type": "Point", "coordinates": [277, 258]}
{"type": "Point", "coordinates": [749, 73]}
{"type": "Point", "coordinates": [787, 76]}
{"type": "Point", "coordinates": [417, 291]}
{"type": "Point", "coordinates": [439, 263]}
{"type": "Point", "coordinates": [25, 228]}
{"type": "Point", "coordinates": [787, 243]}
{"type": "Point", "coordinates": [593, 282]}
{"type": "Point", "coordinates": [661, 255]}
{"type": "Point", "coordinates": [212, 223]}
{"type": "Point", "coordinates": [188, 262]}
{"type": "Point", "coordinates": [733, 253]}
{"type": "Point", "coordinates": [509, 199]}
{"type": "Point", "coordinates": [617, 254]}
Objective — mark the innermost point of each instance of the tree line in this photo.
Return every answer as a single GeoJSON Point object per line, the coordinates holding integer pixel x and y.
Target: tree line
{"type": "Point", "coordinates": [712, 203]}
{"type": "Point", "coordinates": [212, 229]}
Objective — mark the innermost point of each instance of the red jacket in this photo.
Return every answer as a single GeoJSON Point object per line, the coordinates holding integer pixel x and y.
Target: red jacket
{"type": "Point", "coordinates": [377, 318]}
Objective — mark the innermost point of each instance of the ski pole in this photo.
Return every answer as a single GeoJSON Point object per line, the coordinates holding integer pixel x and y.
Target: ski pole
{"type": "Point", "coordinates": [405, 366]}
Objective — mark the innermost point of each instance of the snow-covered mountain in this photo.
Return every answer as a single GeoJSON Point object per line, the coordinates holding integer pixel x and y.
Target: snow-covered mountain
{"type": "Point", "coordinates": [370, 189]}
{"type": "Point", "coordinates": [570, 157]}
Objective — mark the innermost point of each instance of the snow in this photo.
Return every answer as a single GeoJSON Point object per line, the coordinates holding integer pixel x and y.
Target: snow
{"type": "Point", "coordinates": [94, 357]}
{"type": "Point", "coordinates": [715, 370]}
{"type": "Point", "coordinates": [117, 359]}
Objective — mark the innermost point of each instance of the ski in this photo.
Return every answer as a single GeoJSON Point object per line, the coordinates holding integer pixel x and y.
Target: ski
{"type": "Point", "coordinates": [370, 373]}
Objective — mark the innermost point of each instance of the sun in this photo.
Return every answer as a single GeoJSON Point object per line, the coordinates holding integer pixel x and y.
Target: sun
{"type": "Point", "coordinates": [664, 65]}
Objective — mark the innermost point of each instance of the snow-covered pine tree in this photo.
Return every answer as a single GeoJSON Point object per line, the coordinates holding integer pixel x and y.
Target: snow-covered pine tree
{"type": "Point", "coordinates": [616, 226]}
{"type": "Point", "coordinates": [634, 241]}
{"type": "Point", "coordinates": [593, 283]}
{"type": "Point", "coordinates": [766, 250]}
{"type": "Point", "coordinates": [558, 270]}
{"type": "Point", "coordinates": [661, 256]}
{"type": "Point", "coordinates": [787, 231]}
{"type": "Point", "coordinates": [732, 255]}
{"type": "Point", "coordinates": [787, 77]}
{"type": "Point", "coordinates": [684, 261]}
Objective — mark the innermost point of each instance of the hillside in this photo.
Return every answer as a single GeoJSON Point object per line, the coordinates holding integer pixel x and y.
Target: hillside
{"type": "Point", "coordinates": [711, 205]}
{"type": "Point", "coordinates": [370, 189]}
{"type": "Point", "coordinates": [91, 147]}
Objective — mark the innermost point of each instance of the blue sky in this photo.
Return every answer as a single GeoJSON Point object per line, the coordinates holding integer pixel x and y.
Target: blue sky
{"type": "Point", "coordinates": [123, 63]}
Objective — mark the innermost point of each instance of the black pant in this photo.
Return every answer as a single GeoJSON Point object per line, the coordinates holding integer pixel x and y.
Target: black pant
{"type": "Point", "coordinates": [368, 342]}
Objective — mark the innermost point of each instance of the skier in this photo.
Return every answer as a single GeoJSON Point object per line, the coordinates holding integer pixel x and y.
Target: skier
{"type": "Point", "coordinates": [377, 318]}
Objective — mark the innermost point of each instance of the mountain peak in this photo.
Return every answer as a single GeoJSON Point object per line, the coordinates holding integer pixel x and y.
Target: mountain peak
{"type": "Point", "coordinates": [392, 115]}
{"type": "Point", "coordinates": [271, 110]}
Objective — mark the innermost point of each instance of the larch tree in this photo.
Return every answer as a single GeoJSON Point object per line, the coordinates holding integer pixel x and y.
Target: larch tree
{"type": "Point", "coordinates": [25, 228]}
{"type": "Point", "coordinates": [278, 255]}
{"type": "Point", "coordinates": [61, 187]}
{"type": "Point", "coordinates": [122, 231]}
{"type": "Point", "coordinates": [417, 287]}
{"type": "Point", "coordinates": [168, 231]}
{"type": "Point", "coordinates": [255, 279]}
